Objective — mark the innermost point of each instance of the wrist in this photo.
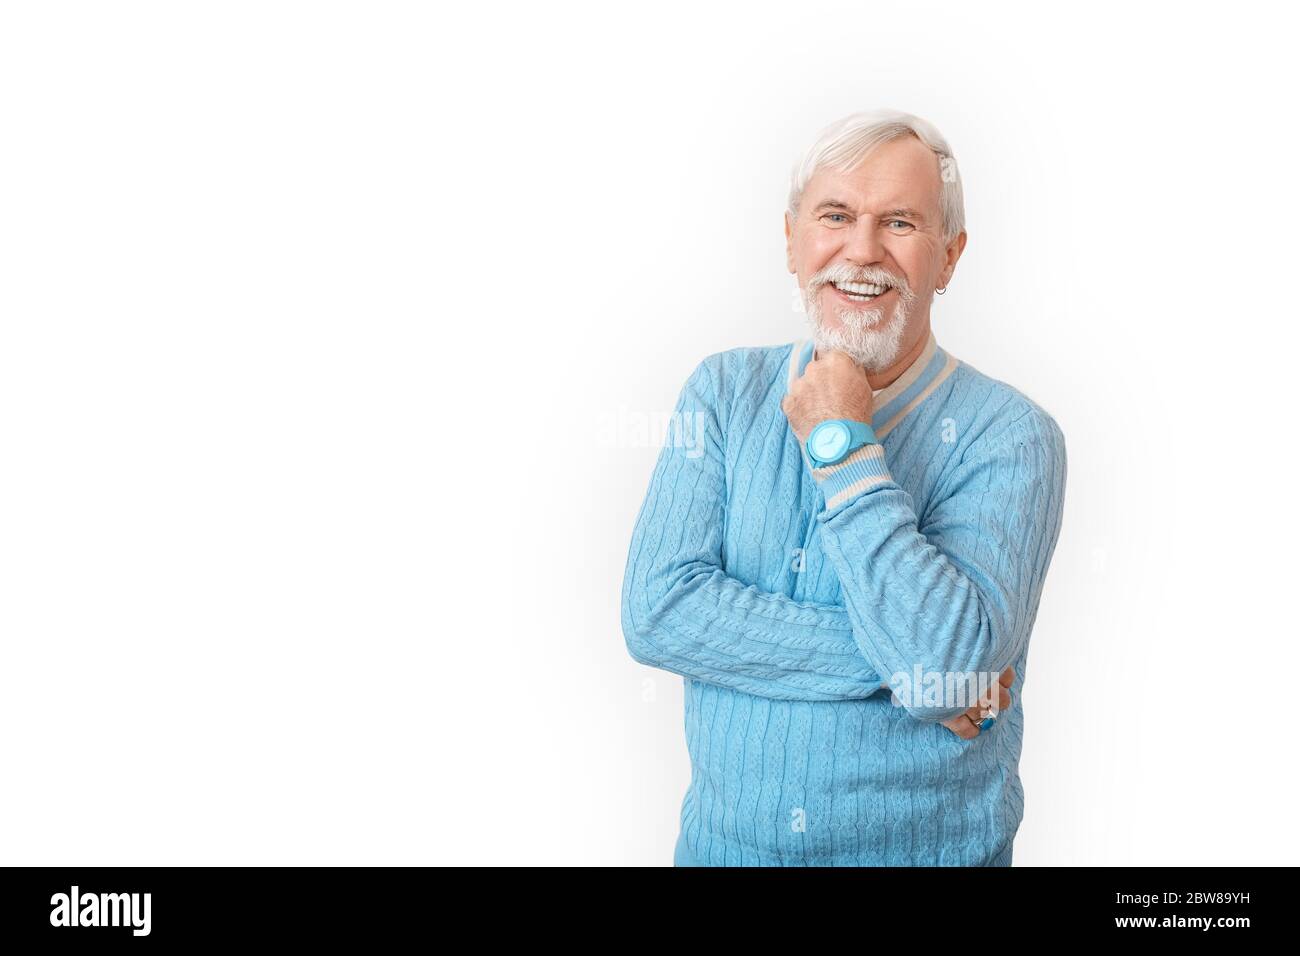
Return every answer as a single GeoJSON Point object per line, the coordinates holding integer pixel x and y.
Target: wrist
{"type": "Point", "coordinates": [859, 471]}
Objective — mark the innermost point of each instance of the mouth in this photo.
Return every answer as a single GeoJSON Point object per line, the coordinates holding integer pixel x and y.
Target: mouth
{"type": "Point", "coordinates": [859, 292]}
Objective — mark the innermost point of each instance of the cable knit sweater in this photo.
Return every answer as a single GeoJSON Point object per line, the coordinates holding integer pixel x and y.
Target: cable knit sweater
{"type": "Point", "coordinates": [785, 595]}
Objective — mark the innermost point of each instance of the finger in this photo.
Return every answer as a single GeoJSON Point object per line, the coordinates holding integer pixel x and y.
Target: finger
{"type": "Point", "coordinates": [1003, 699]}
{"type": "Point", "coordinates": [962, 727]}
{"type": "Point", "coordinates": [836, 357]}
{"type": "Point", "coordinates": [1008, 677]}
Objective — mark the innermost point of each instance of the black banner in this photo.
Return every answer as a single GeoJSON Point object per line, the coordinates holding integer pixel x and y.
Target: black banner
{"type": "Point", "coordinates": [371, 905]}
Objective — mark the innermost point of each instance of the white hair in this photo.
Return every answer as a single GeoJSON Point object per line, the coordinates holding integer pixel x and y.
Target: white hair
{"type": "Point", "coordinates": [845, 143]}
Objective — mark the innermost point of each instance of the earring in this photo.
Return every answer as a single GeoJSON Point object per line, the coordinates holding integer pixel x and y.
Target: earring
{"type": "Point", "coordinates": [941, 291]}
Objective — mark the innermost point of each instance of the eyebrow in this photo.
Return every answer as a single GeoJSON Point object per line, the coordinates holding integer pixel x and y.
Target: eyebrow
{"type": "Point", "coordinates": [902, 211]}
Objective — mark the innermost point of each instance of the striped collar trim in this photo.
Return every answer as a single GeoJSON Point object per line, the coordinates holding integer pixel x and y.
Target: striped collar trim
{"type": "Point", "coordinates": [893, 403]}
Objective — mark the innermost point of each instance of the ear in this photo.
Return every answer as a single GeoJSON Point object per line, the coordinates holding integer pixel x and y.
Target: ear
{"type": "Point", "coordinates": [951, 255]}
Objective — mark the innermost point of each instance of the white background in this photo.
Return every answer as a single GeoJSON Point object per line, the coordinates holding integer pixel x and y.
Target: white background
{"type": "Point", "coordinates": [311, 312]}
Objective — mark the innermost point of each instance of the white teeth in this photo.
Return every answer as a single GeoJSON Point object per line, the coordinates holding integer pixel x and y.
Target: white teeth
{"type": "Point", "coordinates": [860, 288]}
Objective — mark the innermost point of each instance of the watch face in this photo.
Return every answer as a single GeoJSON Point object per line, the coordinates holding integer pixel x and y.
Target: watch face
{"type": "Point", "coordinates": [828, 441]}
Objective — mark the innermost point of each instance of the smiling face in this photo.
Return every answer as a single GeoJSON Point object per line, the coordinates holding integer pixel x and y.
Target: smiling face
{"type": "Point", "coordinates": [869, 251]}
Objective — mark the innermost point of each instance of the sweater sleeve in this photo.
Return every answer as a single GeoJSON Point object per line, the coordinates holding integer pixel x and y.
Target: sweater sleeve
{"type": "Point", "coordinates": [958, 595]}
{"type": "Point", "coordinates": [683, 613]}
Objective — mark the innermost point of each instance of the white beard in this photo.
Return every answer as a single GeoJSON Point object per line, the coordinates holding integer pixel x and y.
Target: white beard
{"type": "Point", "coordinates": [863, 334]}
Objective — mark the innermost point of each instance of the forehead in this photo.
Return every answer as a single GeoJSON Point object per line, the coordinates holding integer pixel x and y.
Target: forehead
{"type": "Point", "coordinates": [902, 172]}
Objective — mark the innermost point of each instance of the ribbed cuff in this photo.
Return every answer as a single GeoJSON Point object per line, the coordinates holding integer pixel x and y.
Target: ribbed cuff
{"type": "Point", "coordinates": [864, 468]}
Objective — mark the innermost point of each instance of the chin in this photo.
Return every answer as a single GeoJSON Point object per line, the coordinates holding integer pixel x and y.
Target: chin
{"type": "Point", "coordinates": [868, 337]}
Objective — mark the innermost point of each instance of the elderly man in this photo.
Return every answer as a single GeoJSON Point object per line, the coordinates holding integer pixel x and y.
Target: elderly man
{"type": "Point", "coordinates": [847, 569]}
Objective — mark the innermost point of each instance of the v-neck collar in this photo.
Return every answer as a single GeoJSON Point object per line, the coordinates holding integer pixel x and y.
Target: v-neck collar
{"type": "Point", "coordinates": [892, 403]}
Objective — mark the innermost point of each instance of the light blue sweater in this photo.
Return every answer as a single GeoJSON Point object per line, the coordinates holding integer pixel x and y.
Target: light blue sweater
{"type": "Point", "coordinates": [786, 596]}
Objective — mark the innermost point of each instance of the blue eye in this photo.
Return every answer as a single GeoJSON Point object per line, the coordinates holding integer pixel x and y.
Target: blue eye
{"type": "Point", "coordinates": [901, 223]}
{"type": "Point", "coordinates": [829, 214]}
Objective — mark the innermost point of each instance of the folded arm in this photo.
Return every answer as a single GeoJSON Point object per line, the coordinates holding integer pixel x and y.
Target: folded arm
{"type": "Point", "coordinates": [681, 612]}
{"type": "Point", "coordinates": [959, 594]}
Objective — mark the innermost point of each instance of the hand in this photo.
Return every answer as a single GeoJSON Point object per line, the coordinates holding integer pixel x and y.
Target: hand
{"type": "Point", "coordinates": [832, 386]}
{"type": "Point", "coordinates": [966, 730]}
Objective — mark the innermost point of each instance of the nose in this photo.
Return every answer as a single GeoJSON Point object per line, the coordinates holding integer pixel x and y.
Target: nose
{"type": "Point", "coordinates": [862, 243]}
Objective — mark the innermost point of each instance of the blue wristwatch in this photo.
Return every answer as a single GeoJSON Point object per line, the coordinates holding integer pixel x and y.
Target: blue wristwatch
{"type": "Point", "coordinates": [832, 440]}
